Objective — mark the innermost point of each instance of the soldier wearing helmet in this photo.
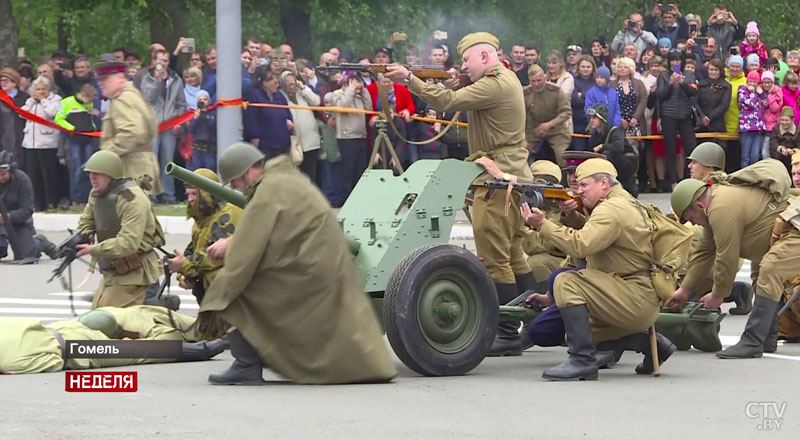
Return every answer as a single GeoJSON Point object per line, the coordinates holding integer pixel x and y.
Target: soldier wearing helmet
{"type": "Point", "coordinates": [120, 215]}
{"type": "Point", "coordinates": [707, 159]}
{"type": "Point", "coordinates": [738, 222]}
{"type": "Point", "coordinates": [286, 265]}
{"type": "Point", "coordinates": [214, 220]}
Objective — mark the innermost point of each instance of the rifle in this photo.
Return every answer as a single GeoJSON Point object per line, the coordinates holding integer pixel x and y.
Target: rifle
{"type": "Point", "coordinates": [67, 251]}
{"type": "Point", "coordinates": [537, 195]}
{"type": "Point", "coordinates": [420, 71]}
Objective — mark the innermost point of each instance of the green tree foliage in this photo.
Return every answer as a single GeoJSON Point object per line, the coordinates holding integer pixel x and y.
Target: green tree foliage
{"type": "Point", "coordinates": [95, 26]}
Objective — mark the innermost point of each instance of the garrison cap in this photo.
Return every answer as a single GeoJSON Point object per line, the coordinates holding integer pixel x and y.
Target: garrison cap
{"type": "Point", "coordinates": [593, 166]}
{"type": "Point", "coordinates": [787, 111]}
{"type": "Point", "coordinates": [208, 174]}
{"type": "Point", "coordinates": [108, 67]}
{"type": "Point", "coordinates": [546, 168]}
{"type": "Point", "coordinates": [575, 158]}
{"type": "Point", "coordinates": [474, 38]}
{"type": "Point", "coordinates": [796, 157]}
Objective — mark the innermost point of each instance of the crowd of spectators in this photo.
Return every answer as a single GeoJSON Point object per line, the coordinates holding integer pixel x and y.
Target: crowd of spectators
{"type": "Point", "coordinates": [663, 73]}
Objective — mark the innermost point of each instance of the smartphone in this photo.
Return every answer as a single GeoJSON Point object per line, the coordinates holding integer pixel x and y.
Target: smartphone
{"type": "Point", "coordinates": [722, 16]}
{"type": "Point", "coordinates": [701, 41]}
{"type": "Point", "coordinates": [692, 27]}
{"type": "Point", "coordinates": [440, 35]}
{"type": "Point", "coordinates": [201, 105]}
{"type": "Point", "coordinates": [189, 48]}
{"type": "Point", "coordinates": [401, 36]}
{"type": "Point", "coordinates": [734, 51]}
{"type": "Point", "coordinates": [676, 68]}
{"type": "Point", "coordinates": [665, 9]}
{"type": "Point", "coordinates": [630, 24]}
{"type": "Point", "coordinates": [602, 40]}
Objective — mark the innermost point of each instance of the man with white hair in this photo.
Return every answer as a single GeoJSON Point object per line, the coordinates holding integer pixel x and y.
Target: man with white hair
{"type": "Point", "coordinates": [496, 112]}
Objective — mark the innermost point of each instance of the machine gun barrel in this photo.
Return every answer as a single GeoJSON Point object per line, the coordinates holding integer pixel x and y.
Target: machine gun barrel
{"type": "Point", "coordinates": [215, 188]}
{"type": "Point", "coordinates": [420, 71]}
{"type": "Point", "coordinates": [535, 194]}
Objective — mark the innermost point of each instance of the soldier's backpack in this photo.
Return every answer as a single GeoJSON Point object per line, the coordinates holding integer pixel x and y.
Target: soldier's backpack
{"type": "Point", "coordinates": [671, 243]}
{"type": "Point", "coordinates": [769, 174]}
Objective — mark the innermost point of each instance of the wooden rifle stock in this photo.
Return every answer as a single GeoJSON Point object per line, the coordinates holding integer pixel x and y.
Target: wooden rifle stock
{"type": "Point", "coordinates": [420, 71]}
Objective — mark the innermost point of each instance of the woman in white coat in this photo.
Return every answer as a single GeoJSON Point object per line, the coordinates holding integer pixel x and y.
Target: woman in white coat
{"type": "Point", "coordinates": [305, 124]}
{"type": "Point", "coordinates": [40, 144]}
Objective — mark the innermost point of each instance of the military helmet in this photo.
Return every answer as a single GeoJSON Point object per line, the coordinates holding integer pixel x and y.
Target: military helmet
{"type": "Point", "coordinates": [546, 168]}
{"type": "Point", "coordinates": [101, 320]}
{"type": "Point", "coordinates": [105, 162]}
{"type": "Point", "coordinates": [683, 195]}
{"type": "Point", "coordinates": [236, 160]}
{"type": "Point", "coordinates": [6, 161]}
{"type": "Point", "coordinates": [599, 110]}
{"type": "Point", "coordinates": [709, 154]}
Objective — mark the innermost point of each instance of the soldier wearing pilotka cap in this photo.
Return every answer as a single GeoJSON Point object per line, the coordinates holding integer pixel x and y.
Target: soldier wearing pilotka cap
{"type": "Point", "coordinates": [496, 112]}
{"type": "Point", "coordinates": [129, 127]}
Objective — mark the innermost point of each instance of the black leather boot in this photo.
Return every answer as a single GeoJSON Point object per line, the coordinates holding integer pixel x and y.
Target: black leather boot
{"type": "Point", "coordinates": [45, 246]}
{"type": "Point", "coordinates": [742, 294]}
{"type": "Point", "coordinates": [508, 341]}
{"type": "Point", "coordinates": [640, 343]}
{"type": "Point", "coordinates": [581, 364]}
{"type": "Point", "coordinates": [751, 345]}
{"type": "Point", "coordinates": [201, 351]}
{"type": "Point", "coordinates": [246, 368]}
{"type": "Point", "coordinates": [665, 349]}
{"type": "Point", "coordinates": [771, 341]}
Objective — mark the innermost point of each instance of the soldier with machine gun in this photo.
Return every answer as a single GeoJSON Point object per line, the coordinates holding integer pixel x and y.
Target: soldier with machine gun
{"type": "Point", "coordinates": [119, 213]}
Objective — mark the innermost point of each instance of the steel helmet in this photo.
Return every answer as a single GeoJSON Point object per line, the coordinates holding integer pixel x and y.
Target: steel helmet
{"type": "Point", "coordinates": [101, 320]}
{"type": "Point", "coordinates": [683, 195]}
{"type": "Point", "coordinates": [105, 162]}
{"type": "Point", "coordinates": [236, 160]}
{"type": "Point", "coordinates": [709, 154]}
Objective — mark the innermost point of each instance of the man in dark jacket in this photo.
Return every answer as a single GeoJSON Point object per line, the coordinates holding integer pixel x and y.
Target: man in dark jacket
{"type": "Point", "coordinates": [723, 27]}
{"type": "Point", "coordinates": [675, 91]}
{"type": "Point", "coordinates": [610, 141]}
{"type": "Point", "coordinates": [16, 214]}
{"type": "Point", "coordinates": [11, 125]}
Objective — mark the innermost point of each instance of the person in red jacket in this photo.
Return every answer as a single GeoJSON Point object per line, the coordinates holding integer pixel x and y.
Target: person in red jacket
{"type": "Point", "coordinates": [402, 107]}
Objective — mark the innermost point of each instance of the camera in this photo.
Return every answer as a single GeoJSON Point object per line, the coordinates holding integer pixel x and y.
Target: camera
{"type": "Point", "coordinates": [189, 48]}
{"type": "Point", "coordinates": [701, 41]}
{"type": "Point", "coordinates": [440, 35]}
{"type": "Point", "coordinates": [722, 16]}
{"type": "Point", "coordinates": [630, 24]}
{"type": "Point", "coordinates": [201, 105]}
{"type": "Point", "coordinates": [665, 9]}
{"type": "Point", "coordinates": [734, 51]}
{"type": "Point", "coordinates": [692, 27]}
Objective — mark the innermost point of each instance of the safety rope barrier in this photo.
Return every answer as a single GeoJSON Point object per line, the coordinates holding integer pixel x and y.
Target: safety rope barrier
{"type": "Point", "coordinates": [238, 102]}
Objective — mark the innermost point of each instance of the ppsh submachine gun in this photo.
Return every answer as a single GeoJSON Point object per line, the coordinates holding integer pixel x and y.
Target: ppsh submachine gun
{"type": "Point", "coordinates": [436, 300]}
{"type": "Point", "coordinates": [536, 195]}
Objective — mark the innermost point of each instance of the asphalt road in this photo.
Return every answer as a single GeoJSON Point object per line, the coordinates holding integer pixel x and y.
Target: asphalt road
{"type": "Point", "coordinates": [696, 396]}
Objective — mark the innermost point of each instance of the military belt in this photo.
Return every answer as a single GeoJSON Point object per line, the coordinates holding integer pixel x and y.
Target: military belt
{"type": "Point", "coordinates": [638, 273]}
{"type": "Point", "coordinates": [61, 343]}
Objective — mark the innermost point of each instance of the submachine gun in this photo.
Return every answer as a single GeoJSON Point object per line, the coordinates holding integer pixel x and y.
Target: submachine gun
{"type": "Point", "coordinates": [420, 71]}
{"type": "Point", "coordinates": [67, 252]}
{"type": "Point", "coordinates": [536, 195]}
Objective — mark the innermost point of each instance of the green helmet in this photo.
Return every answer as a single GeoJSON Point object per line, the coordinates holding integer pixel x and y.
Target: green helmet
{"type": "Point", "coordinates": [683, 195]}
{"type": "Point", "coordinates": [709, 154]}
{"type": "Point", "coordinates": [101, 320]}
{"type": "Point", "coordinates": [105, 162]}
{"type": "Point", "coordinates": [236, 160]}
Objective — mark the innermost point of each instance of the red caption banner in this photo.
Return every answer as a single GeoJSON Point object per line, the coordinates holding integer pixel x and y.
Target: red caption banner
{"type": "Point", "coordinates": [102, 382]}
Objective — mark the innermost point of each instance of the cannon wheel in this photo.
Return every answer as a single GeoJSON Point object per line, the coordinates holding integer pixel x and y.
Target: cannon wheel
{"type": "Point", "coordinates": [440, 310]}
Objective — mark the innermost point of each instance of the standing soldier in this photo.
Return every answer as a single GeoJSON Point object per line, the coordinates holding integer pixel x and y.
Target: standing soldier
{"type": "Point", "coordinates": [120, 214]}
{"type": "Point", "coordinates": [738, 222]}
{"type": "Point", "coordinates": [496, 112]}
{"type": "Point", "coordinates": [129, 126]}
{"type": "Point", "coordinates": [789, 325]}
{"type": "Point", "coordinates": [288, 265]}
{"type": "Point", "coordinates": [213, 220]}
{"type": "Point", "coordinates": [548, 115]}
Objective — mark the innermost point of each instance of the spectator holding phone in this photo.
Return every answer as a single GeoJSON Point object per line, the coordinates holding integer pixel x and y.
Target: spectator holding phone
{"type": "Point", "coordinates": [600, 52]}
{"type": "Point", "coordinates": [723, 27]}
{"type": "Point", "coordinates": [675, 90]}
{"type": "Point", "coordinates": [203, 128]}
{"type": "Point", "coordinates": [671, 24]}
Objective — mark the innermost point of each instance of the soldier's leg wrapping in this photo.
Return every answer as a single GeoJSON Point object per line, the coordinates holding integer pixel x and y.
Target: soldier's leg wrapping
{"type": "Point", "coordinates": [559, 142]}
{"type": "Point", "coordinates": [118, 296]}
{"type": "Point", "coordinates": [494, 232]}
{"type": "Point", "coordinates": [616, 307]}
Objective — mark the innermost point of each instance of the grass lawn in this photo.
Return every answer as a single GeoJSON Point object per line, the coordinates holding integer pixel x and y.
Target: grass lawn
{"type": "Point", "coordinates": [177, 210]}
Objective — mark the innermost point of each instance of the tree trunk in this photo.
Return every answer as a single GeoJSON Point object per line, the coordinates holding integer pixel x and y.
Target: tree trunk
{"type": "Point", "coordinates": [9, 35]}
{"type": "Point", "coordinates": [296, 24]}
{"type": "Point", "coordinates": [169, 20]}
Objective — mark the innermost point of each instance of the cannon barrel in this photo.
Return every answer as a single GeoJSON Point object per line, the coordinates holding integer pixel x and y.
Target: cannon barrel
{"type": "Point", "coordinates": [215, 188]}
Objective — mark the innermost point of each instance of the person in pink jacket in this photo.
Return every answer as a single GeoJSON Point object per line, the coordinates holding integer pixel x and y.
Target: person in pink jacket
{"type": "Point", "coordinates": [771, 104]}
{"type": "Point", "coordinates": [791, 94]}
{"type": "Point", "coordinates": [753, 44]}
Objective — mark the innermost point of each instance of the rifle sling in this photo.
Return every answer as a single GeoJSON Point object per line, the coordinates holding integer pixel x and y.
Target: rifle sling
{"type": "Point", "coordinates": [387, 113]}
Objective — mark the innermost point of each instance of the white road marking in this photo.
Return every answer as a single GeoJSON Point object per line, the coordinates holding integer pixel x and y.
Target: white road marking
{"type": "Point", "coordinates": [728, 340]}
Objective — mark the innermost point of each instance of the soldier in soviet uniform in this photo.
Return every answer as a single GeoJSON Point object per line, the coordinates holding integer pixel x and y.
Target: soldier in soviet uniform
{"type": "Point", "coordinates": [707, 161]}
{"type": "Point", "coordinates": [214, 219]}
{"type": "Point", "coordinates": [28, 346]}
{"type": "Point", "coordinates": [120, 215]}
{"type": "Point", "coordinates": [789, 322]}
{"type": "Point", "coordinates": [548, 115]}
{"type": "Point", "coordinates": [129, 127]}
{"type": "Point", "coordinates": [613, 297]}
{"type": "Point", "coordinates": [738, 222]}
{"type": "Point", "coordinates": [288, 265]}
{"type": "Point", "coordinates": [496, 112]}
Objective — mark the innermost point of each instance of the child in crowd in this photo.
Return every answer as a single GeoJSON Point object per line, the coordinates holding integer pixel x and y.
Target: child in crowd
{"type": "Point", "coordinates": [204, 134]}
{"type": "Point", "coordinates": [771, 104]}
{"type": "Point", "coordinates": [691, 65]}
{"type": "Point", "coordinates": [751, 119]}
{"type": "Point", "coordinates": [76, 114]}
{"type": "Point", "coordinates": [752, 45]}
{"type": "Point", "coordinates": [791, 94]}
{"type": "Point", "coordinates": [752, 63]}
{"type": "Point", "coordinates": [602, 93]}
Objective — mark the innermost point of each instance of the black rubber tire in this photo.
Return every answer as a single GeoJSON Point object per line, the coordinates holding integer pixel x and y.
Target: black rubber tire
{"type": "Point", "coordinates": [400, 318]}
